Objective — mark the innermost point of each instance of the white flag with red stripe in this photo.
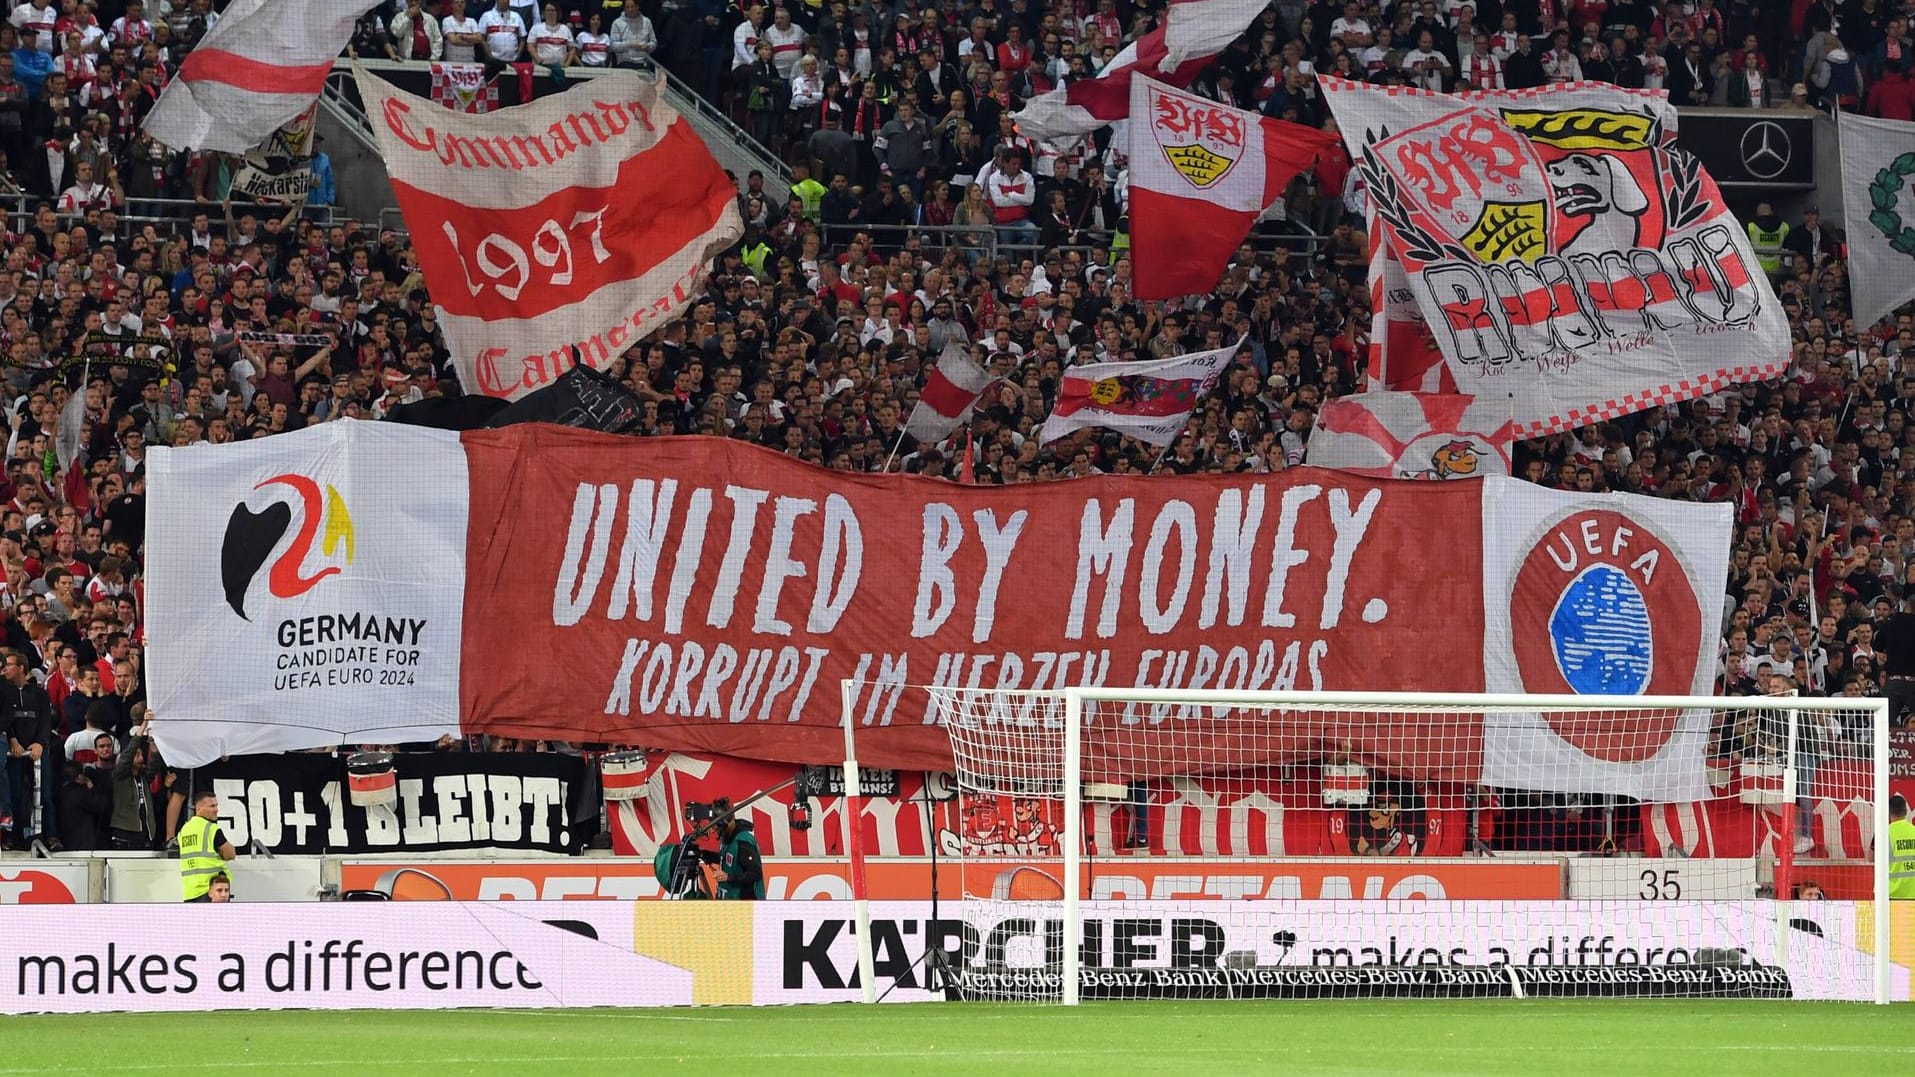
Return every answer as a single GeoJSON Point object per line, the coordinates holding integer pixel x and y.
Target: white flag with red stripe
{"type": "Point", "coordinates": [565, 228]}
{"type": "Point", "coordinates": [1386, 435]}
{"type": "Point", "coordinates": [260, 66]}
{"type": "Point", "coordinates": [1150, 400]}
{"type": "Point", "coordinates": [1566, 253]}
{"type": "Point", "coordinates": [1200, 175]}
{"type": "Point", "coordinates": [1403, 351]}
{"type": "Point", "coordinates": [1192, 34]}
{"type": "Point", "coordinates": [950, 393]}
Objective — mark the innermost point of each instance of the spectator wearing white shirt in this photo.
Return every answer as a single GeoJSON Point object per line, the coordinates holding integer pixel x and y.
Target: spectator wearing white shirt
{"type": "Point", "coordinates": [1010, 190]}
{"type": "Point", "coordinates": [1352, 28]}
{"type": "Point", "coordinates": [552, 41]}
{"type": "Point", "coordinates": [460, 35]}
{"type": "Point", "coordinates": [40, 18]}
{"type": "Point", "coordinates": [1376, 58]}
{"type": "Point", "coordinates": [633, 38]}
{"type": "Point", "coordinates": [787, 43]}
{"type": "Point", "coordinates": [1484, 69]}
{"type": "Point", "coordinates": [1425, 66]}
{"type": "Point", "coordinates": [744, 39]}
{"type": "Point", "coordinates": [1560, 62]}
{"type": "Point", "coordinates": [807, 93]}
{"type": "Point", "coordinates": [504, 32]}
{"type": "Point", "coordinates": [1503, 41]}
{"type": "Point", "coordinates": [131, 29]}
{"type": "Point", "coordinates": [87, 193]}
{"type": "Point", "coordinates": [594, 44]}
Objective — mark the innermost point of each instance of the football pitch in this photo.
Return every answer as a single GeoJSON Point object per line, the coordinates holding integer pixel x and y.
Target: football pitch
{"type": "Point", "coordinates": [976, 1040]}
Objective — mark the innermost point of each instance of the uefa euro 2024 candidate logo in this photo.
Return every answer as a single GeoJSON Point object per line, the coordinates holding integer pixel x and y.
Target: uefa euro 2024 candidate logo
{"type": "Point", "coordinates": [251, 537]}
{"type": "Point", "coordinates": [1602, 605]}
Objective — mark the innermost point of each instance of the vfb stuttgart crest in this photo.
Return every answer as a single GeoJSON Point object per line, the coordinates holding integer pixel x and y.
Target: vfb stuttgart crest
{"type": "Point", "coordinates": [1601, 605]}
{"type": "Point", "coordinates": [1202, 142]}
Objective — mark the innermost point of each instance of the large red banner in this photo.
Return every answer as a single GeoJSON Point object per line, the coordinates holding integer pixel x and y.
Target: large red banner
{"type": "Point", "coordinates": [704, 595]}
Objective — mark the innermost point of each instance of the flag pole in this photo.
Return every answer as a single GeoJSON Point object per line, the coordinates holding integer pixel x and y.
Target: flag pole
{"type": "Point", "coordinates": [895, 446]}
{"type": "Point", "coordinates": [1161, 454]}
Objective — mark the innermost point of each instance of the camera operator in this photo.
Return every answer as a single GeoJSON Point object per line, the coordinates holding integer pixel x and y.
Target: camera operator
{"type": "Point", "coordinates": [741, 874]}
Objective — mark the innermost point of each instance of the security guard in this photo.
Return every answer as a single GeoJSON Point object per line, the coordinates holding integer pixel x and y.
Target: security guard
{"type": "Point", "coordinates": [741, 874]}
{"type": "Point", "coordinates": [1767, 233]}
{"type": "Point", "coordinates": [755, 252]}
{"type": "Point", "coordinates": [204, 849]}
{"type": "Point", "coordinates": [1901, 855]}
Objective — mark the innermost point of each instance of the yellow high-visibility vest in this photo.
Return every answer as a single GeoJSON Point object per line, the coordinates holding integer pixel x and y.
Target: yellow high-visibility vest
{"type": "Point", "coordinates": [199, 861]}
{"type": "Point", "coordinates": [1901, 859]}
{"type": "Point", "coordinates": [1768, 246]}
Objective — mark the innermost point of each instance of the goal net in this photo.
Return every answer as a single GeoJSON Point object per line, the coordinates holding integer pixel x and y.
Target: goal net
{"type": "Point", "coordinates": [1189, 844]}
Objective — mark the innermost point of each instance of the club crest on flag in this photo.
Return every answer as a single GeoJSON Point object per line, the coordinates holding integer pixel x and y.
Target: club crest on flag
{"type": "Point", "coordinates": [1144, 393]}
{"type": "Point", "coordinates": [1508, 230]}
{"type": "Point", "coordinates": [1202, 143]}
{"type": "Point", "coordinates": [1562, 249]}
{"type": "Point", "coordinates": [1581, 612]}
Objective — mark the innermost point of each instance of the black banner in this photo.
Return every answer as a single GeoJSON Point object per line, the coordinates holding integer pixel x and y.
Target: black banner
{"type": "Point", "coordinates": [1752, 149]}
{"type": "Point", "coordinates": [299, 803]}
{"type": "Point", "coordinates": [829, 782]}
{"type": "Point", "coordinates": [581, 397]}
{"type": "Point", "coordinates": [290, 340]}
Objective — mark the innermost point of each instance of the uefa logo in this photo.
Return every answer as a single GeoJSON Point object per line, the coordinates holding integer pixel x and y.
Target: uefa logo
{"type": "Point", "coordinates": [1602, 605]}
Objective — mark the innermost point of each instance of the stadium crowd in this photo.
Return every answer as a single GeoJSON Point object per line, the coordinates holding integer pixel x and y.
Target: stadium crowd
{"type": "Point", "coordinates": [918, 216]}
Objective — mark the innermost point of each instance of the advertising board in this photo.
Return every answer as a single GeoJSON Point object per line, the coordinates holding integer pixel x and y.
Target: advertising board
{"type": "Point", "coordinates": [366, 955]}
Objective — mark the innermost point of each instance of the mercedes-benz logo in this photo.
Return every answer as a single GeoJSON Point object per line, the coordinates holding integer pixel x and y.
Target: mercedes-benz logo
{"type": "Point", "coordinates": [1766, 149]}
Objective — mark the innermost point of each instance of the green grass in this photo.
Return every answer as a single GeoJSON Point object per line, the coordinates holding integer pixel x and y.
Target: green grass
{"type": "Point", "coordinates": [1615, 1038]}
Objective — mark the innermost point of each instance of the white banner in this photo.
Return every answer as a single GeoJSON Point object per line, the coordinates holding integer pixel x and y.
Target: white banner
{"type": "Point", "coordinates": [1593, 595]}
{"type": "Point", "coordinates": [340, 577]}
{"type": "Point", "coordinates": [557, 231]}
{"type": "Point", "coordinates": [1566, 253]}
{"type": "Point", "coordinates": [1878, 161]}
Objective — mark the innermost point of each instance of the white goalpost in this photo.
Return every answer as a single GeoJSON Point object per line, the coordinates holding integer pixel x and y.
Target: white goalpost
{"type": "Point", "coordinates": [1140, 843]}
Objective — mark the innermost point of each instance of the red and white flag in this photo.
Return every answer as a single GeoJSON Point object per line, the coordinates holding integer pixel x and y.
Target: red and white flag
{"type": "Point", "coordinates": [1403, 352]}
{"type": "Point", "coordinates": [1149, 400]}
{"type": "Point", "coordinates": [1193, 32]}
{"type": "Point", "coordinates": [568, 227]}
{"type": "Point", "coordinates": [1565, 252]}
{"type": "Point", "coordinates": [1200, 175]}
{"type": "Point", "coordinates": [950, 393]}
{"type": "Point", "coordinates": [464, 87]}
{"type": "Point", "coordinates": [260, 66]}
{"type": "Point", "coordinates": [1386, 435]}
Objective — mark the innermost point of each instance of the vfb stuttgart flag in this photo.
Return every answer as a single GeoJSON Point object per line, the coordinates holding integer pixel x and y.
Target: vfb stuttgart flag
{"type": "Point", "coordinates": [1200, 176]}
{"type": "Point", "coordinates": [1566, 254]}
